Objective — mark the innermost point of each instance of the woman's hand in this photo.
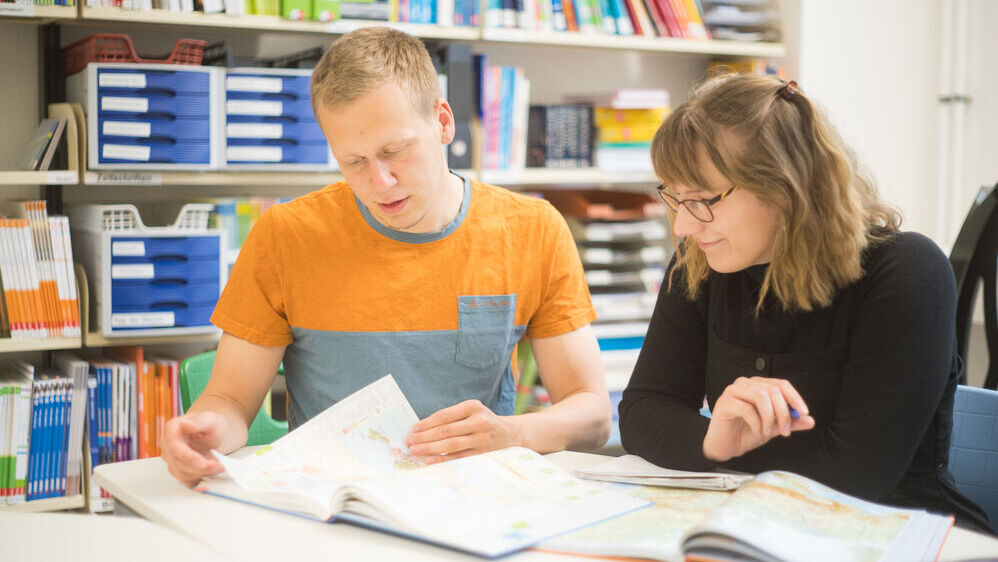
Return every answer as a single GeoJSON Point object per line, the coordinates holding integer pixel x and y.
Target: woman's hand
{"type": "Point", "coordinates": [749, 413]}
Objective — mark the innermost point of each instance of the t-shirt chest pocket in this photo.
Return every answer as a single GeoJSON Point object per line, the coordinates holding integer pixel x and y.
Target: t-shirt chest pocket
{"type": "Point", "coordinates": [485, 328]}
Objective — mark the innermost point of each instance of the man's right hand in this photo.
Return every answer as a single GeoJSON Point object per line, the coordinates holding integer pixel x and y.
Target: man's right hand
{"type": "Point", "coordinates": [187, 444]}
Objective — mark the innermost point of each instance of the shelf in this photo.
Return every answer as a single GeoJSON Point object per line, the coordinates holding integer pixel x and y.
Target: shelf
{"type": "Point", "coordinates": [10, 345]}
{"type": "Point", "coordinates": [568, 177]}
{"type": "Point", "coordinates": [93, 339]}
{"type": "Point", "coordinates": [37, 14]}
{"type": "Point", "coordinates": [635, 43]}
{"type": "Point", "coordinates": [48, 504]}
{"type": "Point", "coordinates": [268, 23]}
{"type": "Point", "coordinates": [431, 31]}
{"type": "Point", "coordinates": [55, 177]}
{"type": "Point", "coordinates": [209, 178]}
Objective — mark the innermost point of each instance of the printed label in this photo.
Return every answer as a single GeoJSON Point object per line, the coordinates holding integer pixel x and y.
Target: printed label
{"type": "Point", "coordinates": [254, 130]}
{"type": "Point", "coordinates": [142, 320]}
{"type": "Point", "coordinates": [127, 129]}
{"type": "Point", "coordinates": [128, 248]}
{"type": "Point", "coordinates": [126, 152]}
{"type": "Point", "coordinates": [253, 107]}
{"type": "Point", "coordinates": [253, 84]}
{"type": "Point", "coordinates": [133, 271]}
{"type": "Point", "coordinates": [113, 103]}
{"type": "Point", "coordinates": [254, 154]}
{"type": "Point", "coordinates": [123, 178]}
{"type": "Point", "coordinates": [121, 80]}
{"type": "Point", "coordinates": [61, 177]}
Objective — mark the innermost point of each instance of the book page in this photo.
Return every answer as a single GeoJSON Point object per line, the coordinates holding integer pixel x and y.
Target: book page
{"type": "Point", "coordinates": [358, 437]}
{"type": "Point", "coordinates": [493, 503]}
{"type": "Point", "coordinates": [655, 532]}
{"type": "Point", "coordinates": [788, 516]}
{"type": "Point", "coordinates": [632, 469]}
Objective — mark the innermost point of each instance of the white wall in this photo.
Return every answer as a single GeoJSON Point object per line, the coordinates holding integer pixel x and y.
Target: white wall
{"type": "Point", "coordinates": [874, 66]}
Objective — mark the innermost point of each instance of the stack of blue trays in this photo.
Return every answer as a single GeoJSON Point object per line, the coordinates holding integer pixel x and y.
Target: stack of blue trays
{"type": "Point", "coordinates": [154, 116]}
{"type": "Point", "coordinates": [269, 120]}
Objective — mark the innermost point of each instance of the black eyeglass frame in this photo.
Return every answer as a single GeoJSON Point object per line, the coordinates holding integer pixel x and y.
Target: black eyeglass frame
{"type": "Point", "coordinates": [674, 202]}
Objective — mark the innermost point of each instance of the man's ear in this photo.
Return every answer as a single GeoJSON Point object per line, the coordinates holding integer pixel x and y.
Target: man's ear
{"type": "Point", "coordinates": [445, 120]}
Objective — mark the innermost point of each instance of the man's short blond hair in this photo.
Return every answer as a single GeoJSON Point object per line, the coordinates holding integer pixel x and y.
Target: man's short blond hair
{"type": "Point", "coordinates": [370, 57]}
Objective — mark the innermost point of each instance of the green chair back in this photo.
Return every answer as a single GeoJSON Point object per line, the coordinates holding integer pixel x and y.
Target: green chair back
{"type": "Point", "coordinates": [194, 374]}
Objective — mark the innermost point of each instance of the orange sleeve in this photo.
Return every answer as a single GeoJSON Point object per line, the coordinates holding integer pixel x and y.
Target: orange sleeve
{"type": "Point", "coordinates": [565, 304]}
{"type": "Point", "coordinates": [252, 305]}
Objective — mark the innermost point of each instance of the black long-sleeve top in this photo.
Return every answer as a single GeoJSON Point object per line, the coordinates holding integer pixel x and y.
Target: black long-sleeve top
{"type": "Point", "coordinates": [877, 369]}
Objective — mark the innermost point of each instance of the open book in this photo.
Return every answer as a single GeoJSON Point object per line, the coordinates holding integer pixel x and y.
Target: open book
{"type": "Point", "coordinates": [349, 463]}
{"type": "Point", "coordinates": [777, 516]}
{"type": "Point", "coordinates": [632, 469]}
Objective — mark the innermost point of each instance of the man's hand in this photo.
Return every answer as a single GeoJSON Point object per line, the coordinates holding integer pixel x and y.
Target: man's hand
{"type": "Point", "coordinates": [749, 413]}
{"type": "Point", "coordinates": [465, 429]}
{"type": "Point", "coordinates": [187, 444]}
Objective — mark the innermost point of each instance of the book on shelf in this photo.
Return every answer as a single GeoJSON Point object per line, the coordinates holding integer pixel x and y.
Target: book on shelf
{"type": "Point", "coordinates": [350, 464]}
{"type": "Point", "coordinates": [36, 271]}
{"type": "Point", "coordinates": [775, 516]}
{"type": "Point", "coordinates": [42, 145]}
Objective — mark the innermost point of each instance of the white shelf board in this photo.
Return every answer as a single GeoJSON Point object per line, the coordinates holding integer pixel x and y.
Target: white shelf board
{"type": "Point", "coordinates": [94, 339]}
{"type": "Point", "coordinates": [37, 13]}
{"type": "Point", "coordinates": [635, 43]}
{"type": "Point", "coordinates": [11, 345]}
{"type": "Point", "coordinates": [48, 504]}
{"type": "Point", "coordinates": [141, 177]}
{"type": "Point", "coordinates": [556, 176]}
{"type": "Point", "coordinates": [53, 177]}
{"type": "Point", "coordinates": [267, 23]}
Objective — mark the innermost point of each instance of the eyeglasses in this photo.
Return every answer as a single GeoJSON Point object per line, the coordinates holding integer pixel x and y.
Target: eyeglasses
{"type": "Point", "coordinates": [699, 208]}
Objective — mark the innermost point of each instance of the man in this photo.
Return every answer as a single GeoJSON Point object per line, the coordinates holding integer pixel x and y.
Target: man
{"type": "Point", "coordinates": [405, 268]}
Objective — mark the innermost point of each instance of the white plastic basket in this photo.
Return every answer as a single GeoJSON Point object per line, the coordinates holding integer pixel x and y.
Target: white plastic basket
{"type": "Point", "coordinates": [193, 217]}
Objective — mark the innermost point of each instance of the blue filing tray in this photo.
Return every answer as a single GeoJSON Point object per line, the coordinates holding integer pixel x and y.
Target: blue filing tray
{"type": "Point", "coordinates": [114, 129]}
{"type": "Point", "coordinates": [126, 295]}
{"type": "Point", "coordinates": [141, 150]}
{"type": "Point", "coordinates": [154, 105]}
{"type": "Point", "coordinates": [255, 81]}
{"type": "Point", "coordinates": [168, 78]}
{"type": "Point", "coordinates": [172, 318]}
{"type": "Point", "coordinates": [256, 153]}
{"type": "Point", "coordinates": [303, 130]}
{"type": "Point", "coordinates": [128, 104]}
{"type": "Point", "coordinates": [268, 107]}
{"type": "Point", "coordinates": [150, 280]}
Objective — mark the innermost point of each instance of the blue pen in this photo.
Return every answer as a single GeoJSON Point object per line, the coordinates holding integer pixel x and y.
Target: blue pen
{"type": "Point", "coordinates": [794, 413]}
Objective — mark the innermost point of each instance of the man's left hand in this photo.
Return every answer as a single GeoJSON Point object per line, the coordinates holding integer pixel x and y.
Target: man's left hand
{"type": "Point", "coordinates": [459, 431]}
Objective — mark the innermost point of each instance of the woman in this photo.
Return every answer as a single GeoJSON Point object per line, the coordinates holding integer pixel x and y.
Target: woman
{"type": "Point", "coordinates": [822, 337]}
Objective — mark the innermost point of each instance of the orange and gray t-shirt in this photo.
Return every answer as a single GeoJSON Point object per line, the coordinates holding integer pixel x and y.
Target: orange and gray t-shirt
{"type": "Point", "coordinates": [354, 300]}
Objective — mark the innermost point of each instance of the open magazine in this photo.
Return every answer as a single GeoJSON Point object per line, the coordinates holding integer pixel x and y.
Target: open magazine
{"type": "Point", "coordinates": [777, 516]}
{"type": "Point", "coordinates": [350, 464]}
{"type": "Point", "coordinates": [632, 469]}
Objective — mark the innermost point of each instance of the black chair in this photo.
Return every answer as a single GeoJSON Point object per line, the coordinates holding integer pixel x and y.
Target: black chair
{"type": "Point", "coordinates": [975, 259]}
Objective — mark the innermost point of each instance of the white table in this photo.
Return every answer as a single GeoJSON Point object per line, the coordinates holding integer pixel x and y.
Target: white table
{"type": "Point", "coordinates": [73, 537]}
{"type": "Point", "coordinates": [246, 533]}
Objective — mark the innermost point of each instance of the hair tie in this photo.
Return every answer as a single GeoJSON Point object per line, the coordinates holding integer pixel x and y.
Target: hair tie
{"type": "Point", "coordinates": [788, 90]}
